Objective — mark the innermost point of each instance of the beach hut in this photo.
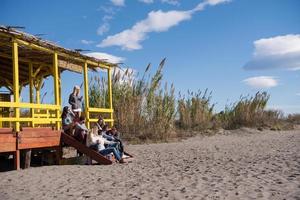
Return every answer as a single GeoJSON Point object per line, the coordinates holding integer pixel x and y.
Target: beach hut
{"type": "Point", "coordinates": [26, 60]}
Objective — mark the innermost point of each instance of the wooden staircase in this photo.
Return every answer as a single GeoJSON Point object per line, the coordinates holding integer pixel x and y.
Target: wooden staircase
{"type": "Point", "coordinates": [94, 155]}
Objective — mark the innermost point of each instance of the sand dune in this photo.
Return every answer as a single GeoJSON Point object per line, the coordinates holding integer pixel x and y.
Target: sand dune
{"type": "Point", "coordinates": [241, 165]}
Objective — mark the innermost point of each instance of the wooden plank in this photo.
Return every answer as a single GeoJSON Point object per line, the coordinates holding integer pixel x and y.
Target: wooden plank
{"type": "Point", "coordinates": [7, 139]}
{"type": "Point", "coordinates": [39, 139]}
{"type": "Point", "coordinates": [6, 135]}
{"type": "Point", "coordinates": [82, 148]}
{"type": "Point", "coordinates": [39, 134]}
{"type": "Point", "coordinates": [42, 129]}
{"type": "Point", "coordinates": [7, 147]}
{"type": "Point", "coordinates": [37, 145]}
{"type": "Point", "coordinates": [6, 131]}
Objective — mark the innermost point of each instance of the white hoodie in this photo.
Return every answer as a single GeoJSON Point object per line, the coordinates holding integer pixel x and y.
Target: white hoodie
{"type": "Point", "coordinates": [93, 139]}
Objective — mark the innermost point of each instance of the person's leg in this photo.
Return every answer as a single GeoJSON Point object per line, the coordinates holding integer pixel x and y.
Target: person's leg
{"type": "Point", "coordinates": [109, 150]}
{"type": "Point", "coordinates": [118, 146]}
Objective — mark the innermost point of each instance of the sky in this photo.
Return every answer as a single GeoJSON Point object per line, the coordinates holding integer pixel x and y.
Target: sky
{"type": "Point", "coordinates": [231, 47]}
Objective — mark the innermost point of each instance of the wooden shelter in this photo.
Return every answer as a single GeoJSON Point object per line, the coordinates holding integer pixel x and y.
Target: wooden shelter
{"type": "Point", "coordinates": [26, 60]}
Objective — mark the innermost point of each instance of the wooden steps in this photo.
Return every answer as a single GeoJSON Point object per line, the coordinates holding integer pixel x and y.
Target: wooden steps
{"type": "Point", "coordinates": [94, 155]}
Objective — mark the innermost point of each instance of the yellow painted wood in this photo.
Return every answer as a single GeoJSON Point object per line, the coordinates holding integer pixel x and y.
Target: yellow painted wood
{"type": "Point", "coordinates": [59, 87]}
{"type": "Point", "coordinates": [29, 105]}
{"type": "Point", "coordinates": [43, 118]}
{"type": "Point", "coordinates": [34, 74]}
{"type": "Point", "coordinates": [36, 120]}
{"type": "Point", "coordinates": [38, 90]}
{"type": "Point", "coordinates": [100, 110]}
{"type": "Point", "coordinates": [31, 95]}
{"type": "Point", "coordinates": [106, 120]}
{"type": "Point", "coordinates": [86, 94]}
{"type": "Point", "coordinates": [56, 87]}
{"type": "Point", "coordinates": [110, 94]}
{"type": "Point", "coordinates": [34, 46]}
{"type": "Point", "coordinates": [16, 82]}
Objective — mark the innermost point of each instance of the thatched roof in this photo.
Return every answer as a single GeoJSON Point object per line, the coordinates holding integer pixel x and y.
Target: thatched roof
{"type": "Point", "coordinates": [40, 53]}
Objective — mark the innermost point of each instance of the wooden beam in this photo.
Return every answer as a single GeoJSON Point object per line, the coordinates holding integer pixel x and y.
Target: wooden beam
{"type": "Point", "coordinates": [70, 66]}
{"type": "Point", "coordinates": [56, 87]}
{"type": "Point", "coordinates": [16, 82]}
{"type": "Point", "coordinates": [86, 94]}
{"type": "Point", "coordinates": [110, 95]}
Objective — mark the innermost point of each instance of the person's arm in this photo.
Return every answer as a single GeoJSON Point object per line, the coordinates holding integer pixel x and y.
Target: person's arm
{"type": "Point", "coordinates": [107, 141]}
{"type": "Point", "coordinates": [108, 137]}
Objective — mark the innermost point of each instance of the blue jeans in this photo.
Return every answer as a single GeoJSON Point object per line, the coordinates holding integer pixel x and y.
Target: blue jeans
{"type": "Point", "coordinates": [109, 150]}
{"type": "Point", "coordinates": [116, 145]}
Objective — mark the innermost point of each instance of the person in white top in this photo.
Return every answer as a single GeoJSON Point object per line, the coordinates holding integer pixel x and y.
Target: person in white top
{"type": "Point", "coordinates": [97, 142]}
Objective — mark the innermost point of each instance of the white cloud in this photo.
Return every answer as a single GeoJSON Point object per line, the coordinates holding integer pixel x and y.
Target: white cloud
{"type": "Point", "coordinates": [281, 52]}
{"type": "Point", "coordinates": [106, 56]}
{"type": "Point", "coordinates": [103, 28]}
{"type": "Point", "coordinates": [87, 42]}
{"type": "Point", "coordinates": [156, 21]}
{"type": "Point", "coordinates": [147, 1]}
{"type": "Point", "coordinates": [172, 2]}
{"type": "Point", "coordinates": [205, 3]}
{"type": "Point", "coordinates": [298, 94]}
{"type": "Point", "coordinates": [260, 82]}
{"type": "Point", "coordinates": [118, 2]}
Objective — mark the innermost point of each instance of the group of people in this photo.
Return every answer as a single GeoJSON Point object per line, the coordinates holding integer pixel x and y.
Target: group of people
{"type": "Point", "coordinates": [106, 141]}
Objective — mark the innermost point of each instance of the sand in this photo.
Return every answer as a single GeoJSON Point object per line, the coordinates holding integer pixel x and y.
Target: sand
{"type": "Point", "coordinates": [242, 164]}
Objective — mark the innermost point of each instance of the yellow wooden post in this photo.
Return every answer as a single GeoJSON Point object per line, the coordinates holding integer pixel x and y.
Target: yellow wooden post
{"type": "Point", "coordinates": [110, 95]}
{"type": "Point", "coordinates": [59, 87]}
{"type": "Point", "coordinates": [38, 97]}
{"type": "Point", "coordinates": [38, 91]}
{"type": "Point", "coordinates": [31, 90]}
{"type": "Point", "coordinates": [86, 94]}
{"type": "Point", "coordinates": [16, 82]}
{"type": "Point", "coordinates": [16, 98]}
{"type": "Point", "coordinates": [56, 87]}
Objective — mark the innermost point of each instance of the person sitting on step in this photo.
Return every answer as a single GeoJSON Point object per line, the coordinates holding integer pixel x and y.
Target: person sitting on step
{"type": "Point", "coordinates": [67, 117]}
{"type": "Point", "coordinates": [98, 142]}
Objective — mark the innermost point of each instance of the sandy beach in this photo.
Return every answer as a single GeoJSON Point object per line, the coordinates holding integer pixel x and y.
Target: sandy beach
{"type": "Point", "coordinates": [241, 164]}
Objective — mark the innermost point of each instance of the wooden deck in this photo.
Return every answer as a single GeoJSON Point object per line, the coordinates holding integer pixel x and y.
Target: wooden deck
{"type": "Point", "coordinates": [37, 138]}
{"type": "Point", "coordinates": [27, 139]}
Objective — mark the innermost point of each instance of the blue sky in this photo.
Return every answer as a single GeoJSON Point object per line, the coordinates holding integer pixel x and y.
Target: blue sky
{"type": "Point", "coordinates": [230, 47]}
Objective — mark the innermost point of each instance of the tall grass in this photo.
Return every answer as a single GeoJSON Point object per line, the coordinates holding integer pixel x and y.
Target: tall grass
{"type": "Point", "coordinates": [249, 111]}
{"type": "Point", "coordinates": [195, 111]}
{"type": "Point", "coordinates": [144, 109]}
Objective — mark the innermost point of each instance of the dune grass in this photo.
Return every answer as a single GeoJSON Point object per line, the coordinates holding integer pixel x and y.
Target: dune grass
{"type": "Point", "coordinates": [144, 109]}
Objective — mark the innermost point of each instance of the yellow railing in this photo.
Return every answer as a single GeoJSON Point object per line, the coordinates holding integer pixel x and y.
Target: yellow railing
{"type": "Point", "coordinates": [101, 111]}
{"type": "Point", "coordinates": [36, 118]}
{"type": "Point", "coordinates": [48, 118]}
